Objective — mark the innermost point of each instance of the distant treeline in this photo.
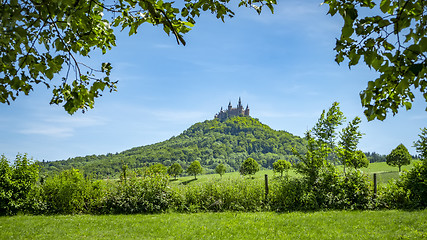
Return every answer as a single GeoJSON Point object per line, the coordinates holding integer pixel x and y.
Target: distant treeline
{"type": "Point", "coordinates": [375, 157]}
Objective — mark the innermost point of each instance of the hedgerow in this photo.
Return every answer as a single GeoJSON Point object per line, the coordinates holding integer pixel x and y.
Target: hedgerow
{"type": "Point", "coordinates": [70, 192]}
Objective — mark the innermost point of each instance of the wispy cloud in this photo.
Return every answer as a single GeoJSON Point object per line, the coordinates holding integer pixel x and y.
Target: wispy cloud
{"type": "Point", "coordinates": [50, 131]}
{"type": "Point", "coordinates": [60, 126]}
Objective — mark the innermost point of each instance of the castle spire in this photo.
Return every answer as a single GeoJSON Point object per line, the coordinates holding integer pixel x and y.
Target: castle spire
{"type": "Point", "coordinates": [240, 103]}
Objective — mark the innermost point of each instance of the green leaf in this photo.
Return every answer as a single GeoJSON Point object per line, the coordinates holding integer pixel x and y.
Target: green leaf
{"type": "Point", "coordinates": [385, 6]}
{"type": "Point", "coordinates": [408, 105]}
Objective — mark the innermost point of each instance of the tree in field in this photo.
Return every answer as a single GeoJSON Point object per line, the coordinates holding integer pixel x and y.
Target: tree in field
{"type": "Point", "coordinates": [281, 166]}
{"type": "Point", "coordinates": [325, 129]}
{"type": "Point", "coordinates": [194, 169]}
{"type": "Point", "coordinates": [157, 168]}
{"type": "Point", "coordinates": [249, 167]}
{"type": "Point", "coordinates": [175, 170]}
{"type": "Point", "coordinates": [350, 137]}
{"type": "Point", "coordinates": [358, 160]}
{"type": "Point", "coordinates": [220, 169]}
{"type": "Point", "coordinates": [39, 39]}
{"type": "Point", "coordinates": [421, 144]}
{"type": "Point", "coordinates": [399, 157]}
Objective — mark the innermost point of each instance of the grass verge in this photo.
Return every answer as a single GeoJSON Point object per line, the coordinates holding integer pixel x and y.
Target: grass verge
{"type": "Point", "coordinates": [227, 225]}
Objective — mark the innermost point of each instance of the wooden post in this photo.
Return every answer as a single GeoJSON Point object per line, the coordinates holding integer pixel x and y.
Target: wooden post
{"type": "Point", "coordinates": [266, 187]}
{"type": "Point", "coordinates": [375, 184]}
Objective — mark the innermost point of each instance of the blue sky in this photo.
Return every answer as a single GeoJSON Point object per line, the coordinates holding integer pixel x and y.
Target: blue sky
{"type": "Point", "coordinates": [282, 65]}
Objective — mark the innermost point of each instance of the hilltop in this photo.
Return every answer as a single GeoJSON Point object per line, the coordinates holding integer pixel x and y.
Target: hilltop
{"type": "Point", "coordinates": [211, 142]}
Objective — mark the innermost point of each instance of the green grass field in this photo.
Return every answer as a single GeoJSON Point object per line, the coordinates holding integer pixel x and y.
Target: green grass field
{"type": "Point", "coordinates": [228, 225]}
{"type": "Point", "coordinates": [384, 173]}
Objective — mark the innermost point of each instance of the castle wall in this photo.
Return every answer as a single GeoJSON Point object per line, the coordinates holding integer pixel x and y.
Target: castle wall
{"type": "Point", "coordinates": [232, 112]}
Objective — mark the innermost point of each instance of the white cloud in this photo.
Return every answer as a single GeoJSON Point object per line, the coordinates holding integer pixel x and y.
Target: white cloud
{"type": "Point", "coordinates": [50, 131]}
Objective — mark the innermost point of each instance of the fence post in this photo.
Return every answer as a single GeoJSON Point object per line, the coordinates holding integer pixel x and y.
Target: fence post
{"type": "Point", "coordinates": [375, 184]}
{"type": "Point", "coordinates": [266, 187]}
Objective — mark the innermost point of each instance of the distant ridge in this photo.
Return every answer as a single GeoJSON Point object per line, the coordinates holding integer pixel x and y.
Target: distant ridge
{"type": "Point", "coordinates": [228, 141]}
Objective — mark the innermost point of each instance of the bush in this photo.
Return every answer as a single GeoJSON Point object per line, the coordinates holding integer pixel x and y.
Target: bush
{"type": "Point", "coordinates": [330, 190]}
{"type": "Point", "coordinates": [16, 182]}
{"type": "Point", "coordinates": [223, 195]}
{"type": "Point", "coordinates": [149, 194]}
{"type": "Point", "coordinates": [287, 194]}
{"type": "Point", "coordinates": [70, 193]}
{"type": "Point", "coordinates": [409, 191]}
{"type": "Point", "coordinates": [415, 182]}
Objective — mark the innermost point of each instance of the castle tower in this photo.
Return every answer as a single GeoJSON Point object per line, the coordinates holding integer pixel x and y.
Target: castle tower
{"type": "Point", "coordinates": [229, 106]}
{"type": "Point", "coordinates": [247, 110]}
{"type": "Point", "coordinates": [240, 108]}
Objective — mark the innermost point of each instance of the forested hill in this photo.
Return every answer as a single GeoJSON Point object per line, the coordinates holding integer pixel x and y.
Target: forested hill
{"type": "Point", "coordinates": [211, 142]}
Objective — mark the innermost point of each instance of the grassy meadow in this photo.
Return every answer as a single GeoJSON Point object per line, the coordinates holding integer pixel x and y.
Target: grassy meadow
{"type": "Point", "coordinates": [228, 225]}
{"type": "Point", "coordinates": [384, 173]}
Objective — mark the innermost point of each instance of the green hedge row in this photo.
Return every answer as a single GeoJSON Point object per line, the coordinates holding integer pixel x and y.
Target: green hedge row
{"type": "Point", "coordinates": [21, 190]}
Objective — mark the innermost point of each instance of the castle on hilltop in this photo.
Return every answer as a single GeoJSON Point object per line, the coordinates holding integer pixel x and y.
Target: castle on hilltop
{"type": "Point", "coordinates": [232, 112]}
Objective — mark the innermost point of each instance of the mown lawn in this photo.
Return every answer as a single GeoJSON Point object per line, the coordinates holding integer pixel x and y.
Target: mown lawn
{"type": "Point", "coordinates": [229, 225]}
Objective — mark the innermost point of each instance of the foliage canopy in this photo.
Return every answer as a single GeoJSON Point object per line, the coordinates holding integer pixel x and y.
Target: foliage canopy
{"type": "Point", "coordinates": [390, 35]}
{"type": "Point", "coordinates": [40, 39]}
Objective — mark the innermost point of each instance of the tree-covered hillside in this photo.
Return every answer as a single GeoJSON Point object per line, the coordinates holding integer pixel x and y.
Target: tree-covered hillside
{"type": "Point", "coordinates": [211, 142]}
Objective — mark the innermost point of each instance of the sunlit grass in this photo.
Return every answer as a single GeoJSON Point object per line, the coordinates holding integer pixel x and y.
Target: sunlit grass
{"type": "Point", "coordinates": [384, 173]}
{"type": "Point", "coordinates": [228, 225]}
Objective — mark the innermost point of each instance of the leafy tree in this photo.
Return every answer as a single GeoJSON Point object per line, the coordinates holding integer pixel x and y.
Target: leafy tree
{"type": "Point", "coordinates": [421, 144]}
{"type": "Point", "coordinates": [281, 166]}
{"type": "Point", "coordinates": [325, 128]}
{"type": "Point", "coordinates": [39, 39]}
{"type": "Point", "coordinates": [391, 37]}
{"type": "Point", "coordinates": [220, 169]}
{"type": "Point", "coordinates": [358, 160]}
{"type": "Point", "coordinates": [194, 169]}
{"type": "Point", "coordinates": [249, 167]}
{"type": "Point", "coordinates": [156, 168]}
{"type": "Point", "coordinates": [350, 137]}
{"type": "Point", "coordinates": [399, 157]}
{"type": "Point", "coordinates": [312, 161]}
{"type": "Point", "coordinates": [175, 170]}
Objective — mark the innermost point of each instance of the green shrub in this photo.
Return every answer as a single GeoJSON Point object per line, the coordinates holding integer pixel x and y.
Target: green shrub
{"type": "Point", "coordinates": [16, 182]}
{"type": "Point", "coordinates": [223, 195]}
{"type": "Point", "coordinates": [330, 190]}
{"type": "Point", "coordinates": [415, 181]}
{"type": "Point", "coordinates": [148, 194]}
{"type": "Point", "coordinates": [69, 193]}
{"type": "Point", "coordinates": [409, 191]}
{"type": "Point", "coordinates": [287, 194]}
